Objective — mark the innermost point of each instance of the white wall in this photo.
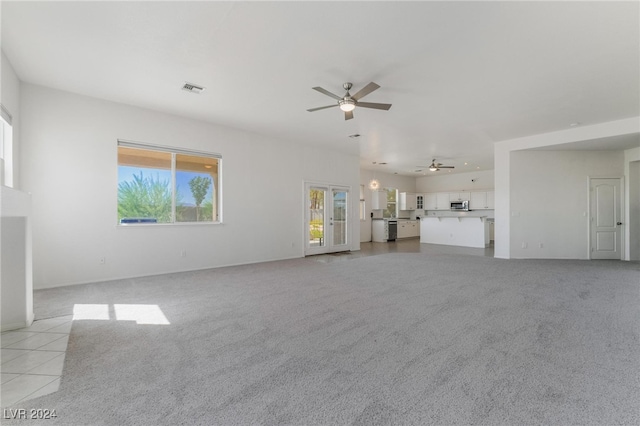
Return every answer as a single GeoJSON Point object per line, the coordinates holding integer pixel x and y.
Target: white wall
{"type": "Point", "coordinates": [503, 168]}
{"type": "Point", "coordinates": [443, 182]}
{"type": "Point", "coordinates": [69, 164]}
{"type": "Point", "coordinates": [387, 180]}
{"type": "Point", "coordinates": [632, 200]}
{"type": "Point", "coordinates": [550, 200]}
{"type": "Point", "coordinates": [10, 98]}
{"type": "Point", "coordinates": [16, 263]}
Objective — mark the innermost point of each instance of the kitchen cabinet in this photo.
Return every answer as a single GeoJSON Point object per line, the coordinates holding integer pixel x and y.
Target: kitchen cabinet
{"type": "Point", "coordinates": [458, 196]}
{"type": "Point", "coordinates": [380, 231]}
{"type": "Point", "coordinates": [415, 228]}
{"type": "Point", "coordinates": [407, 201]}
{"type": "Point", "coordinates": [403, 229]}
{"type": "Point", "coordinates": [420, 201]}
{"type": "Point", "coordinates": [482, 200]}
{"type": "Point", "coordinates": [378, 200]}
{"type": "Point", "coordinates": [443, 201]}
{"type": "Point", "coordinates": [491, 200]}
{"type": "Point", "coordinates": [430, 201]}
{"type": "Point", "coordinates": [478, 201]}
{"type": "Point", "coordinates": [408, 228]}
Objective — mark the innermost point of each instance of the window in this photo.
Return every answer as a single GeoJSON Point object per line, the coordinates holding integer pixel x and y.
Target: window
{"type": "Point", "coordinates": [392, 197]}
{"type": "Point", "coordinates": [167, 185]}
{"type": "Point", "coordinates": [6, 148]}
{"type": "Point", "coordinates": [363, 211]}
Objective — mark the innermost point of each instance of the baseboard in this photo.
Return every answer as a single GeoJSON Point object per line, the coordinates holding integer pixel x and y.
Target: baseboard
{"type": "Point", "coordinates": [17, 325]}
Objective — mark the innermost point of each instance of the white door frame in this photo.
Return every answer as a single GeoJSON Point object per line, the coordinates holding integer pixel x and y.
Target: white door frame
{"type": "Point", "coordinates": [619, 214]}
{"type": "Point", "coordinates": [329, 245]}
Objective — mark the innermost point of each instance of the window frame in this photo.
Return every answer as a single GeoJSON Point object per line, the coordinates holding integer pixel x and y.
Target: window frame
{"type": "Point", "coordinates": [6, 147]}
{"type": "Point", "coordinates": [392, 213]}
{"type": "Point", "coordinates": [175, 151]}
{"type": "Point", "coordinates": [363, 210]}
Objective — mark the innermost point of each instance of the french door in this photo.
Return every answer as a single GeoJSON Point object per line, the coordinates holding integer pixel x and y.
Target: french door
{"type": "Point", "coordinates": [326, 218]}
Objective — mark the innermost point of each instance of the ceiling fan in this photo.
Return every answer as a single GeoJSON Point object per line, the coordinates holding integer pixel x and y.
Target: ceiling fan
{"type": "Point", "coordinates": [434, 167]}
{"type": "Point", "coordinates": [348, 102]}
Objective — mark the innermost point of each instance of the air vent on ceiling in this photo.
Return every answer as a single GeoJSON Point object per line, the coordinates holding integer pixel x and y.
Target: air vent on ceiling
{"type": "Point", "coordinates": [193, 88]}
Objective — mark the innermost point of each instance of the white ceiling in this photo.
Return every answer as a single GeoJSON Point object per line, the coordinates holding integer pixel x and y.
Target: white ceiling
{"type": "Point", "coordinates": [460, 75]}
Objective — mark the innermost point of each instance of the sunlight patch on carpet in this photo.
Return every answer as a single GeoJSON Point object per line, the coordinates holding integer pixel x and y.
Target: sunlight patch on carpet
{"type": "Point", "coordinates": [141, 314]}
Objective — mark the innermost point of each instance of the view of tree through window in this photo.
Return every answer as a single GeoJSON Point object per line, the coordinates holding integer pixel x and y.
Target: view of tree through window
{"type": "Point", "coordinates": [161, 186]}
{"type": "Point", "coordinates": [316, 218]}
{"type": "Point", "coordinates": [392, 196]}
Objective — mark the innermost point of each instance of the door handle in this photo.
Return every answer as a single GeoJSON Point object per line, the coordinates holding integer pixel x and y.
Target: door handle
{"type": "Point", "coordinates": [619, 223]}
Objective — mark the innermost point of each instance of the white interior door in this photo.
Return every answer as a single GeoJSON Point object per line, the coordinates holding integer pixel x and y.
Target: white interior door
{"type": "Point", "coordinates": [326, 219]}
{"type": "Point", "coordinates": [605, 195]}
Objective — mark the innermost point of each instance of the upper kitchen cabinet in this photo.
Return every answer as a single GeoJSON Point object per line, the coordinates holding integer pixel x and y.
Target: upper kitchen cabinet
{"type": "Point", "coordinates": [378, 200]}
{"type": "Point", "coordinates": [482, 200]}
{"type": "Point", "coordinates": [443, 201]}
{"type": "Point", "coordinates": [458, 196]}
{"type": "Point", "coordinates": [407, 201]}
{"type": "Point", "coordinates": [430, 201]}
{"type": "Point", "coordinates": [491, 200]}
{"type": "Point", "coordinates": [420, 201]}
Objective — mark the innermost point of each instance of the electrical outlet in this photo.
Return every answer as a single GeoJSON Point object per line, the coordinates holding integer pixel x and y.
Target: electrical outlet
{"type": "Point", "coordinates": [103, 260]}
{"type": "Point", "coordinates": [541, 245]}
{"type": "Point", "coordinates": [524, 245]}
{"type": "Point", "coordinates": [183, 253]}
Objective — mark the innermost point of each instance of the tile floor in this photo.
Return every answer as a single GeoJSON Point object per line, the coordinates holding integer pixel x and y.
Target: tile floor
{"type": "Point", "coordinates": [31, 359]}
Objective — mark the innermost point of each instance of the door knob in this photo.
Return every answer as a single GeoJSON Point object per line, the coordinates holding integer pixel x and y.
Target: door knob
{"type": "Point", "coordinates": [619, 223]}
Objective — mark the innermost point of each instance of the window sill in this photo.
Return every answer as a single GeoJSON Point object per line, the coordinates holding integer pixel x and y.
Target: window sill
{"type": "Point", "coordinates": [162, 225]}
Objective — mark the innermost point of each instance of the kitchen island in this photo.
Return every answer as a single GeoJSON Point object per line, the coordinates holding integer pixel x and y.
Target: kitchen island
{"type": "Point", "coordinates": [455, 230]}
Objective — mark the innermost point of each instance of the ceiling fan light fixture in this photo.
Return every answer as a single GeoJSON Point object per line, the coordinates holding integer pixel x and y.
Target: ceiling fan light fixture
{"type": "Point", "coordinates": [347, 104]}
{"type": "Point", "coordinates": [433, 168]}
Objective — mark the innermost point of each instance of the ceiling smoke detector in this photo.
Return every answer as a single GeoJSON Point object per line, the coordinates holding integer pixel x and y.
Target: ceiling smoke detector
{"type": "Point", "coordinates": [193, 88]}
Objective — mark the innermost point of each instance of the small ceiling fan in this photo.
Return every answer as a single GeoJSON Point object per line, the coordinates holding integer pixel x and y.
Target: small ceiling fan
{"type": "Point", "coordinates": [348, 102]}
{"type": "Point", "coordinates": [434, 167]}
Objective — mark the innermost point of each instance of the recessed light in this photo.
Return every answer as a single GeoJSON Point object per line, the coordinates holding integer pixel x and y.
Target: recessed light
{"type": "Point", "coordinates": [577, 123]}
{"type": "Point", "coordinates": [478, 167]}
{"type": "Point", "coordinates": [466, 164]}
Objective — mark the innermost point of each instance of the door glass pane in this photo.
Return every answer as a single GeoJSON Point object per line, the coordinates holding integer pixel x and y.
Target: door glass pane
{"type": "Point", "coordinates": [316, 217]}
{"type": "Point", "coordinates": [339, 217]}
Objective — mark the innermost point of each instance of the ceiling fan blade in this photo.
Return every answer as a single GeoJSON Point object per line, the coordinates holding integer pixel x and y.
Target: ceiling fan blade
{"type": "Point", "coordinates": [326, 92]}
{"type": "Point", "coordinates": [324, 107]}
{"type": "Point", "coordinates": [365, 90]}
{"type": "Point", "coordinates": [374, 105]}
{"type": "Point", "coordinates": [446, 167]}
{"type": "Point", "coordinates": [348, 115]}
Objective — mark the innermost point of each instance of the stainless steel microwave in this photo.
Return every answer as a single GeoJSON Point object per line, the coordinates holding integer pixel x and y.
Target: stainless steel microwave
{"type": "Point", "coordinates": [460, 205]}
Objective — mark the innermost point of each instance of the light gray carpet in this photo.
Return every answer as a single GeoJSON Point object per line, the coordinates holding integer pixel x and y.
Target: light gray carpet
{"type": "Point", "coordinates": [403, 338]}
